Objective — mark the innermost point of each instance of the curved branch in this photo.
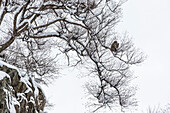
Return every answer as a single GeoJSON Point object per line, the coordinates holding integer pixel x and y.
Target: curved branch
{"type": "Point", "coordinates": [7, 44]}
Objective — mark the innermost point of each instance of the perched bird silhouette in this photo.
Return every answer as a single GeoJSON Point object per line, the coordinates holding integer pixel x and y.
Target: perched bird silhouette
{"type": "Point", "coordinates": [114, 46]}
{"type": "Point", "coordinates": [2, 55]}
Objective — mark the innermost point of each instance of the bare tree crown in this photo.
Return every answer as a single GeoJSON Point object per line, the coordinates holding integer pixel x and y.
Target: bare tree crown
{"type": "Point", "coordinates": [31, 29]}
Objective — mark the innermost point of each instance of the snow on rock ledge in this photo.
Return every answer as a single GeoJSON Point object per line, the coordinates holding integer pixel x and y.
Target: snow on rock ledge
{"type": "Point", "coordinates": [19, 94]}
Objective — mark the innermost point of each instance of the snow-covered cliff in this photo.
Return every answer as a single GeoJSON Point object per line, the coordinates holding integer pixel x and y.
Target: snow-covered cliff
{"type": "Point", "coordinates": [19, 94]}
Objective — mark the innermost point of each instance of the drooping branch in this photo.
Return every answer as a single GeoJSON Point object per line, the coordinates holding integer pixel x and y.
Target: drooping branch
{"type": "Point", "coordinates": [7, 44]}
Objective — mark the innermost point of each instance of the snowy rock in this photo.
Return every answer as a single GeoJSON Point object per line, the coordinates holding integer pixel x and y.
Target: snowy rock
{"type": "Point", "coordinates": [19, 94]}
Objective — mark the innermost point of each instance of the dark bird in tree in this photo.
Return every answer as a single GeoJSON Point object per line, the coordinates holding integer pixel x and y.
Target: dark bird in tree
{"type": "Point", "coordinates": [114, 46]}
{"type": "Point", "coordinates": [2, 55]}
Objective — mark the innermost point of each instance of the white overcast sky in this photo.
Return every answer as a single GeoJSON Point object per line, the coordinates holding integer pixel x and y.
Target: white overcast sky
{"type": "Point", "coordinates": [148, 22]}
